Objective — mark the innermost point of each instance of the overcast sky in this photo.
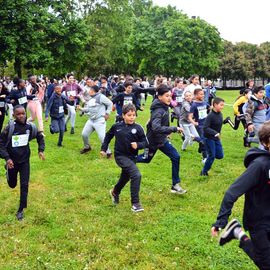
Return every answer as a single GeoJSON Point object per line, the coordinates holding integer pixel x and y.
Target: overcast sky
{"type": "Point", "coordinates": [236, 20]}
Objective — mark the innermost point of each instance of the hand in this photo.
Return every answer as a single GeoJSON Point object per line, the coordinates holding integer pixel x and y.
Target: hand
{"type": "Point", "coordinates": [46, 119]}
{"type": "Point", "coordinates": [106, 116]}
{"type": "Point", "coordinates": [0, 113]}
{"type": "Point", "coordinates": [103, 153]}
{"type": "Point", "coordinates": [2, 96]}
{"type": "Point", "coordinates": [214, 232]}
{"type": "Point", "coordinates": [195, 123]}
{"type": "Point", "coordinates": [10, 164]}
{"type": "Point", "coordinates": [12, 101]}
{"type": "Point", "coordinates": [134, 145]}
{"type": "Point", "coordinates": [180, 130]}
{"type": "Point", "coordinates": [78, 107]}
{"type": "Point", "coordinates": [41, 155]}
{"type": "Point", "coordinates": [250, 128]}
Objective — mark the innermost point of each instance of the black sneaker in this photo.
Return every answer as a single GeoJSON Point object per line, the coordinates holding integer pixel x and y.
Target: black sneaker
{"type": "Point", "coordinates": [228, 233]}
{"type": "Point", "coordinates": [226, 120]}
{"type": "Point", "coordinates": [72, 130]}
{"type": "Point", "coordinates": [60, 145]}
{"type": "Point", "coordinates": [115, 197]}
{"type": "Point", "coordinates": [19, 215]}
{"type": "Point", "coordinates": [109, 155]}
{"type": "Point", "coordinates": [65, 128]}
{"type": "Point", "coordinates": [136, 207]}
{"type": "Point", "coordinates": [204, 173]}
{"type": "Point", "coordinates": [85, 150]}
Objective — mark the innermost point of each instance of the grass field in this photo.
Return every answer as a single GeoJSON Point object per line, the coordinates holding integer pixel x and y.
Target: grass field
{"type": "Point", "coordinates": [71, 224]}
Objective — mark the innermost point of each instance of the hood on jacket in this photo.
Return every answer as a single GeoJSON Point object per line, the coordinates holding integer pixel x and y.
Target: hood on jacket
{"type": "Point", "coordinates": [253, 154]}
{"type": "Point", "coordinates": [158, 104]}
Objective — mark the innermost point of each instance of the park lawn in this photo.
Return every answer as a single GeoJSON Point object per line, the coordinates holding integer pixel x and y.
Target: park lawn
{"type": "Point", "coordinates": [71, 224]}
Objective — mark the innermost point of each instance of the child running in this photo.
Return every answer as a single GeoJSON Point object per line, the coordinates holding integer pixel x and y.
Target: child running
{"type": "Point", "coordinates": [56, 107]}
{"type": "Point", "coordinates": [129, 138]}
{"type": "Point", "coordinates": [254, 183]}
{"type": "Point", "coordinates": [212, 128]}
{"type": "Point", "coordinates": [158, 130]}
{"type": "Point", "coordinates": [14, 148]}
{"type": "Point", "coordinates": [189, 129]}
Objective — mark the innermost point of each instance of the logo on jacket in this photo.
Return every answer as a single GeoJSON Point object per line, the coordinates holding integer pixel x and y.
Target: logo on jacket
{"type": "Point", "coordinates": [134, 131]}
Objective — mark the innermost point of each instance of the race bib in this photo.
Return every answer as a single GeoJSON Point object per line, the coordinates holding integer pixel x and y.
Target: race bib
{"type": "Point", "coordinates": [128, 101]}
{"type": "Point", "coordinates": [71, 93]}
{"type": "Point", "coordinates": [202, 111]}
{"type": "Point", "coordinates": [2, 104]}
{"type": "Point", "coordinates": [20, 140]}
{"type": "Point", "coordinates": [61, 109]}
{"type": "Point", "coordinates": [22, 100]}
{"type": "Point", "coordinates": [179, 99]}
{"type": "Point", "coordinates": [92, 102]}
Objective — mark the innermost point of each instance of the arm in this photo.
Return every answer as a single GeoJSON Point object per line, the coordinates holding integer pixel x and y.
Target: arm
{"type": "Point", "coordinates": [236, 105]}
{"type": "Point", "coordinates": [108, 104]}
{"type": "Point", "coordinates": [3, 142]}
{"type": "Point", "coordinates": [143, 142]}
{"type": "Point", "coordinates": [249, 112]}
{"type": "Point", "coordinates": [117, 98]}
{"type": "Point", "coordinates": [249, 179]}
{"type": "Point", "coordinates": [158, 128]}
{"type": "Point", "coordinates": [49, 105]}
{"type": "Point", "coordinates": [41, 142]}
{"type": "Point", "coordinates": [191, 120]}
{"type": "Point", "coordinates": [108, 138]}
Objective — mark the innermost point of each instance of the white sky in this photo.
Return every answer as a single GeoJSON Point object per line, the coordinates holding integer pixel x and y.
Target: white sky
{"type": "Point", "coordinates": [236, 20]}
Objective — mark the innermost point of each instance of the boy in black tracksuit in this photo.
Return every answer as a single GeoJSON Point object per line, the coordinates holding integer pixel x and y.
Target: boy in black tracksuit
{"type": "Point", "coordinates": [14, 148]}
{"type": "Point", "coordinates": [56, 106]}
{"type": "Point", "coordinates": [129, 138]}
{"type": "Point", "coordinates": [255, 184]}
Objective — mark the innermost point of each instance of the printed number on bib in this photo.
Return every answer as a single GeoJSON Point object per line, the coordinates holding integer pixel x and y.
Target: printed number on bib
{"type": "Point", "coordinates": [61, 109]}
{"type": "Point", "coordinates": [20, 140]}
{"type": "Point", "coordinates": [202, 112]}
{"type": "Point", "coordinates": [127, 101]}
{"type": "Point", "coordinates": [22, 100]}
{"type": "Point", "coordinates": [71, 93]}
{"type": "Point", "coordinates": [2, 104]}
{"type": "Point", "coordinates": [179, 99]}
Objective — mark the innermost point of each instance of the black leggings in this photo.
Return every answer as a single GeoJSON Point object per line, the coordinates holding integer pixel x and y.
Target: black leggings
{"type": "Point", "coordinates": [258, 248]}
{"type": "Point", "coordinates": [24, 170]}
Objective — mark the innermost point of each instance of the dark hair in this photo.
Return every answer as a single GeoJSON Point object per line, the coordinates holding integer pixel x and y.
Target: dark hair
{"type": "Point", "coordinates": [3, 87]}
{"type": "Point", "coordinates": [193, 77]}
{"type": "Point", "coordinates": [18, 107]}
{"type": "Point", "coordinates": [95, 88]}
{"type": "Point", "coordinates": [197, 90]}
{"type": "Point", "coordinates": [127, 83]}
{"type": "Point", "coordinates": [217, 100]}
{"type": "Point", "coordinates": [162, 89]}
{"type": "Point", "coordinates": [17, 81]}
{"type": "Point", "coordinates": [264, 133]}
{"type": "Point", "coordinates": [128, 107]}
{"type": "Point", "coordinates": [103, 78]}
{"type": "Point", "coordinates": [70, 74]}
{"type": "Point", "coordinates": [257, 89]}
{"type": "Point", "coordinates": [248, 83]}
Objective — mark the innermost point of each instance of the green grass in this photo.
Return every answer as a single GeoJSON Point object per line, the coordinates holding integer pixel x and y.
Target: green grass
{"type": "Point", "coordinates": [71, 224]}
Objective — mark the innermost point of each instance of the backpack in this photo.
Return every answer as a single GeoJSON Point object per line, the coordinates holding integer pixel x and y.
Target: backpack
{"type": "Point", "coordinates": [11, 126]}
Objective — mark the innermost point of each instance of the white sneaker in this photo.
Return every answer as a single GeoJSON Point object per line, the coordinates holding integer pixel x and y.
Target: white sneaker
{"type": "Point", "coordinates": [177, 189]}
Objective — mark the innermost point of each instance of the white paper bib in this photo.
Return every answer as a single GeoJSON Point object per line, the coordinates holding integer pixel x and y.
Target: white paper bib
{"type": "Point", "coordinates": [20, 140]}
{"type": "Point", "coordinates": [22, 100]}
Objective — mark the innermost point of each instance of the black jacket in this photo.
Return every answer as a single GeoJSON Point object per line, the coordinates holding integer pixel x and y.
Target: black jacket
{"type": "Point", "coordinates": [22, 153]}
{"type": "Point", "coordinates": [158, 127]}
{"type": "Point", "coordinates": [255, 184]}
{"type": "Point", "coordinates": [212, 125]}
{"type": "Point", "coordinates": [124, 136]}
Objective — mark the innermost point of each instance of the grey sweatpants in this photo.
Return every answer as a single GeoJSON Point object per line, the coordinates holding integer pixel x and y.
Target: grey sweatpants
{"type": "Point", "coordinates": [71, 115]}
{"type": "Point", "coordinates": [98, 125]}
{"type": "Point", "coordinates": [190, 133]}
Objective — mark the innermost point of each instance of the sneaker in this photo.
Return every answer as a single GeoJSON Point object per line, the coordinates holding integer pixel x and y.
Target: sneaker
{"type": "Point", "coordinates": [72, 130]}
{"type": "Point", "coordinates": [85, 150]}
{"type": "Point", "coordinates": [115, 197]}
{"type": "Point", "coordinates": [137, 207]}
{"type": "Point", "coordinates": [204, 173]}
{"type": "Point", "coordinates": [65, 128]}
{"type": "Point", "coordinates": [19, 215]}
{"type": "Point", "coordinates": [177, 189]}
{"type": "Point", "coordinates": [226, 120]}
{"type": "Point", "coordinates": [109, 155]}
{"type": "Point", "coordinates": [228, 233]}
{"type": "Point", "coordinates": [60, 145]}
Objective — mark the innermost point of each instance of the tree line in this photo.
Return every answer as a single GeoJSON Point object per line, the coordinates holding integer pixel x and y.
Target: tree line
{"type": "Point", "coordinates": [95, 37]}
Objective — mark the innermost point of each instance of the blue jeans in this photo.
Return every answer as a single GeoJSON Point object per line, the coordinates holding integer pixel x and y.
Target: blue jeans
{"type": "Point", "coordinates": [170, 152]}
{"type": "Point", "coordinates": [214, 150]}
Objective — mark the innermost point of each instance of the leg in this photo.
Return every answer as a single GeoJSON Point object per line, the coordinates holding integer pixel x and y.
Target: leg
{"type": "Point", "coordinates": [100, 128]}
{"type": "Point", "coordinates": [72, 116]}
{"type": "Point", "coordinates": [202, 148]}
{"type": "Point", "coordinates": [147, 156]}
{"type": "Point", "coordinates": [54, 126]}
{"type": "Point", "coordinates": [32, 109]}
{"type": "Point", "coordinates": [172, 153]}
{"type": "Point", "coordinates": [219, 150]}
{"type": "Point", "coordinates": [12, 176]}
{"type": "Point", "coordinates": [87, 130]}
{"type": "Point", "coordinates": [61, 124]}
{"type": "Point", "coordinates": [69, 114]}
{"type": "Point", "coordinates": [24, 169]}
{"type": "Point", "coordinates": [2, 118]}
{"type": "Point", "coordinates": [236, 123]}
{"type": "Point", "coordinates": [211, 153]}
{"type": "Point", "coordinates": [39, 116]}
{"type": "Point", "coordinates": [129, 171]}
{"type": "Point", "coordinates": [187, 136]}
